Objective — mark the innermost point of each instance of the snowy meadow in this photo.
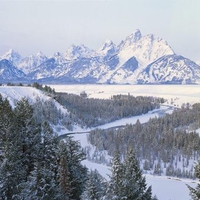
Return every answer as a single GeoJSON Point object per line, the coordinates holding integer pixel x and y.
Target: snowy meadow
{"type": "Point", "coordinates": [166, 188]}
{"type": "Point", "coordinates": [178, 93]}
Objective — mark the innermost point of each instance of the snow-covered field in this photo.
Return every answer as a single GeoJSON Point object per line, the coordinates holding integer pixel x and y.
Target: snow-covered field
{"type": "Point", "coordinates": [16, 93]}
{"type": "Point", "coordinates": [179, 93]}
{"type": "Point", "coordinates": [163, 187]}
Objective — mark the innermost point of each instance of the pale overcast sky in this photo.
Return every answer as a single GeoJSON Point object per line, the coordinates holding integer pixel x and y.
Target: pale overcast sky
{"type": "Point", "coordinates": [49, 26]}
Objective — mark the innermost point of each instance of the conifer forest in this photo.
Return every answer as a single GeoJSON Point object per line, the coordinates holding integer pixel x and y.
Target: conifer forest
{"type": "Point", "coordinates": [36, 163]}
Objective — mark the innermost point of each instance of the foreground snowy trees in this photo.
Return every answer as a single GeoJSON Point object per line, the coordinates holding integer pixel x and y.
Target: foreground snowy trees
{"type": "Point", "coordinates": [126, 182]}
{"type": "Point", "coordinates": [33, 163]}
{"type": "Point", "coordinates": [96, 187]}
{"type": "Point", "coordinates": [195, 192]}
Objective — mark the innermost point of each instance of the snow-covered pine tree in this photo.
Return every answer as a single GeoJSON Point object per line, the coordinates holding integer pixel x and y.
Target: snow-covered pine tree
{"type": "Point", "coordinates": [43, 181]}
{"type": "Point", "coordinates": [26, 134]}
{"type": "Point", "coordinates": [134, 183]}
{"type": "Point", "coordinates": [195, 192]}
{"type": "Point", "coordinates": [77, 172]}
{"type": "Point", "coordinates": [6, 119]}
{"type": "Point", "coordinates": [95, 187]}
{"type": "Point", "coordinates": [19, 156]}
{"type": "Point", "coordinates": [64, 175]}
{"type": "Point", "coordinates": [31, 165]}
{"type": "Point", "coordinates": [126, 180]}
{"type": "Point", "coordinates": [11, 173]}
{"type": "Point", "coordinates": [114, 191]}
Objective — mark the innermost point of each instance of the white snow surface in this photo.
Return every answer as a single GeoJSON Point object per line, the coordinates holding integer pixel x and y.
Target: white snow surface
{"type": "Point", "coordinates": [176, 94]}
{"type": "Point", "coordinates": [165, 188]}
{"type": "Point", "coordinates": [16, 93]}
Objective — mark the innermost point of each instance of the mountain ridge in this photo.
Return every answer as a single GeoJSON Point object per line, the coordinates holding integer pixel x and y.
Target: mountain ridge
{"type": "Point", "coordinates": [127, 63]}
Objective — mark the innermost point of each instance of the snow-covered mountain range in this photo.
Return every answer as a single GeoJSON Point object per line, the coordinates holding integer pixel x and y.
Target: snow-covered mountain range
{"type": "Point", "coordinates": [136, 60]}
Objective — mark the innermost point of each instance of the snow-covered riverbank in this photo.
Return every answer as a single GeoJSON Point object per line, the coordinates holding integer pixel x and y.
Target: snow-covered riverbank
{"type": "Point", "coordinates": [165, 188]}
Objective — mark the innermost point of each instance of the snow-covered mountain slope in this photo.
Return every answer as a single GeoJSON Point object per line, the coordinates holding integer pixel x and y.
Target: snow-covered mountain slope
{"type": "Point", "coordinates": [8, 72]}
{"type": "Point", "coordinates": [145, 48]}
{"type": "Point", "coordinates": [197, 62]}
{"type": "Point", "coordinates": [28, 64]}
{"type": "Point", "coordinates": [75, 52]}
{"type": "Point", "coordinates": [171, 69]}
{"type": "Point", "coordinates": [126, 63]}
{"type": "Point", "coordinates": [107, 49]}
{"type": "Point", "coordinates": [12, 56]}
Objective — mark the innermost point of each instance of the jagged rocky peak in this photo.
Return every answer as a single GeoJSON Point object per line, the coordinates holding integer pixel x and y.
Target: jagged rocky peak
{"type": "Point", "coordinates": [8, 71]}
{"type": "Point", "coordinates": [138, 59]}
{"type": "Point", "coordinates": [40, 54]}
{"type": "Point", "coordinates": [108, 47]}
{"type": "Point", "coordinates": [30, 63]}
{"type": "Point", "coordinates": [77, 51]}
{"type": "Point", "coordinates": [107, 44]}
{"type": "Point", "coordinates": [12, 56]}
{"type": "Point", "coordinates": [134, 37]}
{"type": "Point", "coordinates": [59, 57]}
{"type": "Point", "coordinates": [131, 39]}
{"type": "Point", "coordinates": [57, 54]}
{"type": "Point", "coordinates": [12, 52]}
{"type": "Point", "coordinates": [171, 69]}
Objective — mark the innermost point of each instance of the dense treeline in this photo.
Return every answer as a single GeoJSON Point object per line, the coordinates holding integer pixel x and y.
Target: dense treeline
{"type": "Point", "coordinates": [94, 112]}
{"type": "Point", "coordinates": [47, 110]}
{"type": "Point", "coordinates": [36, 85]}
{"type": "Point", "coordinates": [164, 145]}
{"type": "Point", "coordinates": [89, 112]}
{"type": "Point", "coordinates": [45, 88]}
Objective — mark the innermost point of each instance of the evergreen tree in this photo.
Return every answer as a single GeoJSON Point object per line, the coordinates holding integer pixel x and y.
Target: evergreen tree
{"type": "Point", "coordinates": [64, 175]}
{"type": "Point", "coordinates": [116, 179]}
{"type": "Point", "coordinates": [195, 192]}
{"type": "Point", "coordinates": [11, 174]}
{"type": "Point", "coordinates": [26, 134]}
{"type": "Point", "coordinates": [134, 184]}
{"type": "Point", "coordinates": [6, 119]}
{"type": "Point", "coordinates": [19, 155]}
{"type": "Point", "coordinates": [95, 187]}
{"type": "Point", "coordinates": [43, 182]}
{"type": "Point", "coordinates": [33, 165]}
{"type": "Point", "coordinates": [126, 180]}
{"type": "Point", "coordinates": [76, 171]}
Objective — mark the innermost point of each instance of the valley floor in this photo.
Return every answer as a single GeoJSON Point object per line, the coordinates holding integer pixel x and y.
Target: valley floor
{"type": "Point", "coordinates": [175, 94]}
{"type": "Point", "coordinates": [165, 188]}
